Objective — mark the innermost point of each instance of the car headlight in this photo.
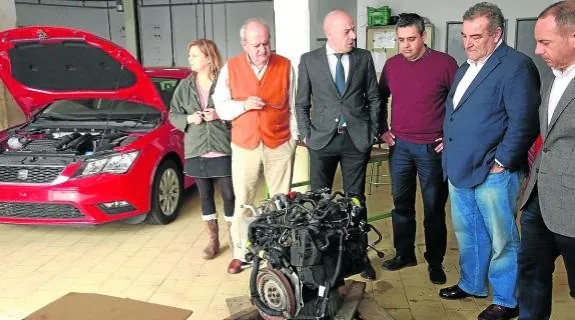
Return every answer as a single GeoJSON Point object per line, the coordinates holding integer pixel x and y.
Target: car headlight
{"type": "Point", "coordinates": [116, 164]}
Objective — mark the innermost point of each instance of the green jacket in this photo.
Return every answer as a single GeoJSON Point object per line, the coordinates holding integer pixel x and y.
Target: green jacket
{"type": "Point", "coordinates": [200, 138]}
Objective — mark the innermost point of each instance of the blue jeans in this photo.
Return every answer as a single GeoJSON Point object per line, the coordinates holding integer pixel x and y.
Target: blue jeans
{"type": "Point", "coordinates": [409, 160]}
{"type": "Point", "coordinates": [540, 247]}
{"type": "Point", "coordinates": [484, 223]}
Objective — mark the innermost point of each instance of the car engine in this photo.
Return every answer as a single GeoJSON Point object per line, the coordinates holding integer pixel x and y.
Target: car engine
{"type": "Point", "coordinates": [56, 142]}
{"type": "Point", "coordinates": [311, 241]}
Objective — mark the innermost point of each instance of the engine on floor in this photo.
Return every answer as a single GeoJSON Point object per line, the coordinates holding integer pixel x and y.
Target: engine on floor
{"type": "Point", "coordinates": [311, 242]}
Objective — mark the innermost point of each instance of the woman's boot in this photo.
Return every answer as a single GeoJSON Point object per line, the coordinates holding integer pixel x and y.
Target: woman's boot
{"type": "Point", "coordinates": [213, 247]}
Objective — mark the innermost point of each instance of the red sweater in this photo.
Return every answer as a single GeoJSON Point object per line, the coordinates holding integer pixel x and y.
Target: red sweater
{"type": "Point", "coordinates": [418, 91]}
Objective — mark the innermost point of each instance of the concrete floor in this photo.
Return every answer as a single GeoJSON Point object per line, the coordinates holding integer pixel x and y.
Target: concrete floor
{"type": "Point", "coordinates": [162, 264]}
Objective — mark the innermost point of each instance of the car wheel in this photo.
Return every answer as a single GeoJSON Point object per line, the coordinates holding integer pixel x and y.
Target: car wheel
{"type": "Point", "coordinates": [167, 192]}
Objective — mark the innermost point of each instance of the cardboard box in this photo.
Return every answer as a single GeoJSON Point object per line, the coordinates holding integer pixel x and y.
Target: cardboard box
{"type": "Point", "coordinates": [92, 306]}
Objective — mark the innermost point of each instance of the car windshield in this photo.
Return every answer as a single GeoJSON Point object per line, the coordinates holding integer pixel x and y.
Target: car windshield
{"type": "Point", "coordinates": [100, 109]}
{"type": "Point", "coordinates": [166, 87]}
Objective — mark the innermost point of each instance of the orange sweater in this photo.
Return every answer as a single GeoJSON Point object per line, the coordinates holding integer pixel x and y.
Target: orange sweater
{"type": "Point", "coordinates": [271, 123]}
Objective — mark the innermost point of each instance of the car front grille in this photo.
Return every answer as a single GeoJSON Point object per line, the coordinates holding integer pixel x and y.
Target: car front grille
{"type": "Point", "coordinates": [29, 174]}
{"type": "Point", "coordinates": [39, 210]}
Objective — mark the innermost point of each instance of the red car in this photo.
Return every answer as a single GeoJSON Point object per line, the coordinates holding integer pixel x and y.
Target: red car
{"type": "Point", "coordinates": [97, 145]}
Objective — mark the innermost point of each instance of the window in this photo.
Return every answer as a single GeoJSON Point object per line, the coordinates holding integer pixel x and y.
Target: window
{"type": "Point", "coordinates": [166, 88]}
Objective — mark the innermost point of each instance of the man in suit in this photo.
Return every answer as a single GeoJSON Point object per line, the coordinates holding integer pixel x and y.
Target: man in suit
{"type": "Point", "coordinates": [341, 83]}
{"type": "Point", "coordinates": [548, 218]}
{"type": "Point", "coordinates": [490, 123]}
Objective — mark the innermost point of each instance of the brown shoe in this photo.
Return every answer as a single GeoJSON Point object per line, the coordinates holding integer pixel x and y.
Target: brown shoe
{"type": "Point", "coordinates": [213, 247]}
{"type": "Point", "coordinates": [236, 266]}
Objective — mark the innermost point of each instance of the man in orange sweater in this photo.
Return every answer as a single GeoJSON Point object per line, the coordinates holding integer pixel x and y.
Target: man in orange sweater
{"type": "Point", "coordinates": [255, 92]}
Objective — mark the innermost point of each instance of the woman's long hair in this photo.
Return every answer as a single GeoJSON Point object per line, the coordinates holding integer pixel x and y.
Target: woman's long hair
{"type": "Point", "coordinates": [210, 50]}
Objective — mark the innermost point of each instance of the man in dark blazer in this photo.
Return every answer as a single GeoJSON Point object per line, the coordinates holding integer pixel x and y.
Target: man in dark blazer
{"type": "Point", "coordinates": [490, 123]}
{"type": "Point", "coordinates": [548, 218]}
{"type": "Point", "coordinates": [341, 84]}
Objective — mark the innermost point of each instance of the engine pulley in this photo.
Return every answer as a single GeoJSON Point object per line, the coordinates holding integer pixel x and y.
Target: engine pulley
{"type": "Point", "coordinates": [276, 292]}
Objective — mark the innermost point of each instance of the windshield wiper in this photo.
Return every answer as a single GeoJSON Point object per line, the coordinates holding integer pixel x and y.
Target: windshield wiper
{"type": "Point", "coordinates": [95, 117]}
{"type": "Point", "coordinates": [58, 117]}
{"type": "Point", "coordinates": [122, 119]}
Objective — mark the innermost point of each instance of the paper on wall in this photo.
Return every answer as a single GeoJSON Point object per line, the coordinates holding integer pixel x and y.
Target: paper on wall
{"type": "Point", "coordinates": [384, 40]}
{"type": "Point", "coordinates": [379, 59]}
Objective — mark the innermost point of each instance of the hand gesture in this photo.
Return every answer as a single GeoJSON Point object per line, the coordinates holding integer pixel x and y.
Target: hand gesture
{"type": "Point", "coordinates": [388, 138]}
{"type": "Point", "coordinates": [253, 103]}
{"type": "Point", "coordinates": [195, 118]}
{"type": "Point", "coordinates": [496, 168]}
{"type": "Point", "coordinates": [439, 146]}
{"type": "Point", "coordinates": [210, 114]}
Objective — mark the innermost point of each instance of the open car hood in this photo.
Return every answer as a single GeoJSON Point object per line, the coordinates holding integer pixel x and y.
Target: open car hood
{"type": "Point", "coordinates": [42, 64]}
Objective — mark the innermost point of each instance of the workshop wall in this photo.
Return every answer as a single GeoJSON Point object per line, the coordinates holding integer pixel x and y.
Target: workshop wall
{"type": "Point", "coordinates": [166, 26]}
{"type": "Point", "coordinates": [441, 11]}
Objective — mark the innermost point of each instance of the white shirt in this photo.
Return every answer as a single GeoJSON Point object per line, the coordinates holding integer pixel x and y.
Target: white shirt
{"type": "Point", "coordinates": [562, 80]}
{"type": "Point", "coordinates": [332, 61]}
{"type": "Point", "coordinates": [472, 72]}
{"type": "Point", "coordinates": [229, 109]}
{"type": "Point", "coordinates": [470, 75]}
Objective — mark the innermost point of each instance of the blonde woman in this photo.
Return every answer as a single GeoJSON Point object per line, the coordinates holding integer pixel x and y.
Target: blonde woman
{"type": "Point", "coordinates": [207, 139]}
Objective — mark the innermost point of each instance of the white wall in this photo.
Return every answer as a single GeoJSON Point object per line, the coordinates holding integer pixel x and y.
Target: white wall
{"type": "Point", "coordinates": [7, 14]}
{"type": "Point", "coordinates": [286, 11]}
{"type": "Point", "coordinates": [441, 11]}
{"type": "Point", "coordinates": [319, 9]}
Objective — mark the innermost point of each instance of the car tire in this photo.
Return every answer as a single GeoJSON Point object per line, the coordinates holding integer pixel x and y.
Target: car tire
{"type": "Point", "coordinates": [167, 190]}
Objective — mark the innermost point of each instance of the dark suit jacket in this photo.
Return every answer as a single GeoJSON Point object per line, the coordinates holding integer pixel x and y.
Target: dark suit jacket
{"type": "Point", "coordinates": [360, 102]}
{"type": "Point", "coordinates": [496, 118]}
{"type": "Point", "coordinates": [554, 168]}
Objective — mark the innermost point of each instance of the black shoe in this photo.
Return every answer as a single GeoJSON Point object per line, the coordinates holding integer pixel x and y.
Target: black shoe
{"type": "Point", "coordinates": [455, 292]}
{"type": "Point", "coordinates": [497, 312]}
{"type": "Point", "coordinates": [437, 275]}
{"type": "Point", "coordinates": [368, 273]}
{"type": "Point", "coordinates": [399, 262]}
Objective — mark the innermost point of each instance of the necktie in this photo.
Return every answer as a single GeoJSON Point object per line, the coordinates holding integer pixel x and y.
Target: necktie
{"type": "Point", "coordinates": [339, 74]}
{"type": "Point", "coordinates": [340, 82]}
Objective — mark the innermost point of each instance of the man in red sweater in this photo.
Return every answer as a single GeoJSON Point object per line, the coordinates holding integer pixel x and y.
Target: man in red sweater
{"type": "Point", "coordinates": [418, 80]}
